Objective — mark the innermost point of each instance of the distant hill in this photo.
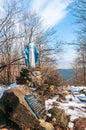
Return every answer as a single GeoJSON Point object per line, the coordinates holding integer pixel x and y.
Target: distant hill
{"type": "Point", "coordinates": [66, 73]}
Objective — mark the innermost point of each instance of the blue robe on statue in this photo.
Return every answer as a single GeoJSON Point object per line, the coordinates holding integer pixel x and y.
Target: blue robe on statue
{"type": "Point", "coordinates": [31, 55]}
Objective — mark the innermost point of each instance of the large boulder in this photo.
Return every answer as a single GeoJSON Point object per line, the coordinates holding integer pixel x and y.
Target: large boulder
{"type": "Point", "coordinates": [58, 118]}
{"type": "Point", "coordinates": [80, 124]}
{"type": "Point", "coordinates": [3, 119]}
{"type": "Point", "coordinates": [16, 109]}
{"type": "Point", "coordinates": [46, 125]}
{"type": "Point", "coordinates": [15, 112]}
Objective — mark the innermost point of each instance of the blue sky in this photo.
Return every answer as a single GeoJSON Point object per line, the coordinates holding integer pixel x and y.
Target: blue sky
{"type": "Point", "coordinates": [66, 32]}
{"type": "Point", "coordinates": [55, 13]}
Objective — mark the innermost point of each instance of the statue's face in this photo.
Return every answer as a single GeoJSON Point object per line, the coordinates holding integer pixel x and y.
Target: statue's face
{"type": "Point", "coordinates": [31, 44]}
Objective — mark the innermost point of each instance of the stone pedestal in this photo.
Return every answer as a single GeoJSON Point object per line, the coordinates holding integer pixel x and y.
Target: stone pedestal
{"type": "Point", "coordinates": [31, 77]}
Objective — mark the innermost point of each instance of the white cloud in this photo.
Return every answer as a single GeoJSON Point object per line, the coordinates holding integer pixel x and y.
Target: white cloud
{"type": "Point", "coordinates": [3, 4]}
{"type": "Point", "coordinates": [1, 8]}
{"type": "Point", "coordinates": [38, 4]}
{"type": "Point", "coordinates": [51, 11]}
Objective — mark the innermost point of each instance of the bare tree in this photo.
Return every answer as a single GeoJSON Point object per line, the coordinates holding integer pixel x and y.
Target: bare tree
{"type": "Point", "coordinates": [80, 15]}
{"type": "Point", "coordinates": [8, 36]}
{"type": "Point", "coordinates": [13, 40]}
{"type": "Point", "coordinates": [43, 38]}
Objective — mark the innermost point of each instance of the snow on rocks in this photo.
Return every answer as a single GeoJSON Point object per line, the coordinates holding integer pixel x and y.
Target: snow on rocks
{"type": "Point", "coordinates": [77, 109]}
{"type": "Point", "coordinates": [73, 106]}
{"type": "Point", "coordinates": [4, 88]}
{"type": "Point", "coordinates": [70, 125]}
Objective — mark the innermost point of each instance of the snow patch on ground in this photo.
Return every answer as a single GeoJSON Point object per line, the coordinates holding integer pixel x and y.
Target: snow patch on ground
{"type": "Point", "coordinates": [72, 105]}
{"type": "Point", "coordinates": [3, 88]}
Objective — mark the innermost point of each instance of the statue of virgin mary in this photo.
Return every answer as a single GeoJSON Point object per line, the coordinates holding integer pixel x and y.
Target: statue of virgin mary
{"type": "Point", "coordinates": [31, 55]}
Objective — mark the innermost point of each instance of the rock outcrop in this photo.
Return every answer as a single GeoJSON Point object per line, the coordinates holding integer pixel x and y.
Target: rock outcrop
{"type": "Point", "coordinates": [31, 77]}
{"type": "Point", "coordinates": [3, 119]}
{"type": "Point", "coordinates": [15, 113]}
{"type": "Point", "coordinates": [80, 124]}
{"type": "Point", "coordinates": [16, 109]}
{"type": "Point", "coordinates": [58, 118]}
